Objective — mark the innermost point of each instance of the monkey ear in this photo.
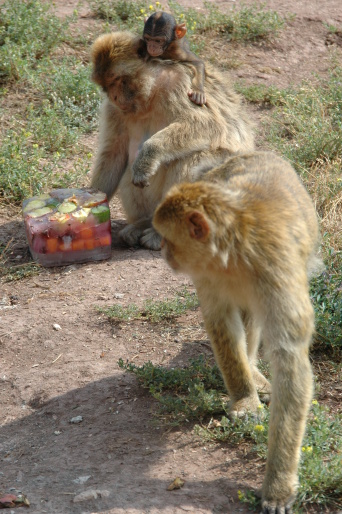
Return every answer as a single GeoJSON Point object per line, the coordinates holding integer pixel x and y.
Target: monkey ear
{"type": "Point", "coordinates": [180, 30]}
{"type": "Point", "coordinates": [198, 226]}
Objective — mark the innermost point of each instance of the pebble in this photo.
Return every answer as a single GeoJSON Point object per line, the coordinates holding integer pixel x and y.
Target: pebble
{"type": "Point", "coordinates": [91, 494]}
{"type": "Point", "coordinates": [56, 326]}
{"type": "Point", "coordinates": [76, 419]}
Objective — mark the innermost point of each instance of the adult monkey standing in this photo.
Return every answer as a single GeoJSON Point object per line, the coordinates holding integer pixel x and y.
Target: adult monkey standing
{"type": "Point", "coordinates": [247, 234]}
{"type": "Point", "coordinates": [151, 134]}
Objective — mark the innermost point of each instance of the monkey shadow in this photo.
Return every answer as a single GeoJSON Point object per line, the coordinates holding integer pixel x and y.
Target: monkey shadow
{"type": "Point", "coordinates": [115, 449]}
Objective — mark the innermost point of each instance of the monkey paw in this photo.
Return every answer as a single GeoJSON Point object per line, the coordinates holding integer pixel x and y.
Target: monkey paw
{"type": "Point", "coordinates": [150, 239]}
{"type": "Point", "coordinates": [140, 181]}
{"type": "Point", "coordinates": [131, 235]}
{"type": "Point", "coordinates": [198, 97]}
{"type": "Point", "coordinates": [241, 408]}
{"type": "Point", "coordinates": [274, 507]}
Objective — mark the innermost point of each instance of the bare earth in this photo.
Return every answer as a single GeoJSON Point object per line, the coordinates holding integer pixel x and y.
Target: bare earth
{"type": "Point", "coordinates": [118, 454]}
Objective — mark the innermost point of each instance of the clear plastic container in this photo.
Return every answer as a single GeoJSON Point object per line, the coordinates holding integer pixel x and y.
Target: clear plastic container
{"type": "Point", "coordinates": [68, 226]}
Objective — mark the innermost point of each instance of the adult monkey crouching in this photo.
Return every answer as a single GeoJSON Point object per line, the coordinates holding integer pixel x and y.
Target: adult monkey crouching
{"type": "Point", "coordinates": [151, 134]}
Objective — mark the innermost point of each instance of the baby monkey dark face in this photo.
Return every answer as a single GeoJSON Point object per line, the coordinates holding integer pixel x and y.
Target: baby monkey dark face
{"type": "Point", "coordinates": [160, 30]}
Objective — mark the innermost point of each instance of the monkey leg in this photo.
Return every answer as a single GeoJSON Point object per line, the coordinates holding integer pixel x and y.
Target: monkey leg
{"type": "Point", "coordinates": [227, 335]}
{"type": "Point", "coordinates": [292, 386]}
{"type": "Point", "coordinates": [253, 336]}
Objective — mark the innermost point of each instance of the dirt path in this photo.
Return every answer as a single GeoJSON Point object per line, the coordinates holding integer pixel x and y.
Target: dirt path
{"type": "Point", "coordinates": [50, 376]}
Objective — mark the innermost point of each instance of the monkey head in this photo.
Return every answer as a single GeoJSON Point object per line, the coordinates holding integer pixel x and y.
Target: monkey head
{"type": "Point", "coordinates": [114, 66]}
{"type": "Point", "coordinates": [159, 31]}
{"type": "Point", "coordinates": [194, 220]}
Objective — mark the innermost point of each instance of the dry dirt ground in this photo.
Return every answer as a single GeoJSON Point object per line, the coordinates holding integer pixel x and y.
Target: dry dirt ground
{"type": "Point", "coordinates": [48, 376]}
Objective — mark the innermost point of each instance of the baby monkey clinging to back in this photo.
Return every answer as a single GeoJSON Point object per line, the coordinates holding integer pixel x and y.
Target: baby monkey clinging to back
{"type": "Point", "coordinates": [164, 38]}
{"type": "Point", "coordinates": [247, 234]}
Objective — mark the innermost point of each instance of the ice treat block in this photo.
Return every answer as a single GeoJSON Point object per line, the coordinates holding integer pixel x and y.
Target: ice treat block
{"type": "Point", "coordinates": [67, 226]}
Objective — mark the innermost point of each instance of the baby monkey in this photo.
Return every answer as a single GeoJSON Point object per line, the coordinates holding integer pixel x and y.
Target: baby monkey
{"type": "Point", "coordinates": [247, 234]}
{"type": "Point", "coordinates": [164, 38]}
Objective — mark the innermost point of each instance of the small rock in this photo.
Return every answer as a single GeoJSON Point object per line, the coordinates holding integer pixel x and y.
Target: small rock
{"type": "Point", "coordinates": [82, 480]}
{"type": "Point", "coordinates": [76, 419]}
{"type": "Point", "coordinates": [91, 494]}
{"type": "Point", "coordinates": [56, 326]}
{"type": "Point", "coordinates": [119, 296]}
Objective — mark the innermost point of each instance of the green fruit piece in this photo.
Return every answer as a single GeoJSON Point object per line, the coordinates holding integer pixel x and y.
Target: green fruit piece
{"type": "Point", "coordinates": [95, 199]}
{"type": "Point", "coordinates": [39, 212]}
{"type": "Point", "coordinates": [82, 214]}
{"type": "Point", "coordinates": [34, 204]}
{"type": "Point", "coordinates": [67, 207]}
{"type": "Point", "coordinates": [101, 213]}
{"type": "Point", "coordinates": [53, 203]}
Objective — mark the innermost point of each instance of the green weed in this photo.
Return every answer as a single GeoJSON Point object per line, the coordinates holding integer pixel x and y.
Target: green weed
{"type": "Point", "coordinates": [260, 94]}
{"type": "Point", "coordinates": [154, 311]}
{"type": "Point", "coordinates": [28, 32]}
{"type": "Point", "coordinates": [183, 393]}
{"type": "Point", "coordinates": [308, 125]}
{"type": "Point", "coordinates": [320, 472]}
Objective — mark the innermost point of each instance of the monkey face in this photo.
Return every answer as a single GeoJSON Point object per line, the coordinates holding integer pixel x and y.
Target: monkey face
{"type": "Point", "coordinates": [155, 45]}
{"type": "Point", "coordinates": [167, 251]}
{"type": "Point", "coordinates": [121, 93]}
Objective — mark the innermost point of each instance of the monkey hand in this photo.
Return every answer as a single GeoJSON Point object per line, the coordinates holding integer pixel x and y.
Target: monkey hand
{"type": "Point", "coordinates": [197, 96]}
{"type": "Point", "coordinates": [144, 167]}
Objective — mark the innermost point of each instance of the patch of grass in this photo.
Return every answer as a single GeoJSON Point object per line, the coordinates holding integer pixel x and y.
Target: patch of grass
{"type": "Point", "coordinates": [244, 23]}
{"type": "Point", "coordinates": [26, 170]}
{"type": "Point", "coordinates": [152, 310]}
{"type": "Point", "coordinates": [308, 125]}
{"type": "Point", "coordinates": [183, 393]}
{"type": "Point", "coordinates": [126, 14]}
{"type": "Point", "coordinates": [320, 472]}
{"type": "Point", "coordinates": [260, 94]}
{"type": "Point", "coordinates": [20, 271]}
{"type": "Point", "coordinates": [326, 294]}
{"type": "Point", "coordinates": [64, 105]}
{"type": "Point", "coordinates": [28, 32]}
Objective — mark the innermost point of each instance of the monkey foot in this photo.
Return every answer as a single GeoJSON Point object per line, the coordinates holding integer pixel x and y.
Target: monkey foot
{"type": "Point", "coordinates": [244, 407]}
{"type": "Point", "coordinates": [150, 239]}
{"type": "Point", "coordinates": [277, 508]}
{"type": "Point", "coordinates": [131, 235]}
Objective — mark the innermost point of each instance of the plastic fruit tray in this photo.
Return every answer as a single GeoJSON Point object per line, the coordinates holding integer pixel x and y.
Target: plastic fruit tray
{"type": "Point", "coordinates": [67, 226]}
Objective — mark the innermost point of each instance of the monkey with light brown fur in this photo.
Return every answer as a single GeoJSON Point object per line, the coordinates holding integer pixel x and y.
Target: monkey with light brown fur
{"type": "Point", "coordinates": [247, 234]}
{"type": "Point", "coordinates": [151, 136]}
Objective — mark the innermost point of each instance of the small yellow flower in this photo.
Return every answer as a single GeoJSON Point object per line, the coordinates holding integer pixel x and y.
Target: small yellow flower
{"type": "Point", "coordinates": [260, 406]}
{"type": "Point", "coordinates": [157, 3]}
{"type": "Point", "coordinates": [150, 7]}
{"type": "Point", "coordinates": [35, 145]}
{"type": "Point", "coordinates": [240, 495]}
{"type": "Point", "coordinates": [142, 11]}
{"type": "Point", "coordinates": [307, 449]}
{"type": "Point", "coordinates": [259, 428]}
{"type": "Point", "coordinates": [181, 15]}
{"type": "Point", "coordinates": [314, 402]}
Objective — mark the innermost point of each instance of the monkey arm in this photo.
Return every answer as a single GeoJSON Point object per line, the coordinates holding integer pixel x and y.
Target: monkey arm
{"type": "Point", "coordinates": [176, 141]}
{"type": "Point", "coordinates": [112, 156]}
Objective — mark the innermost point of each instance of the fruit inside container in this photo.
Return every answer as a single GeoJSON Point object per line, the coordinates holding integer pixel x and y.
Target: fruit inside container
{"type": "Point", "coordinates": [67, 226]}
